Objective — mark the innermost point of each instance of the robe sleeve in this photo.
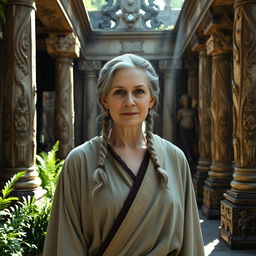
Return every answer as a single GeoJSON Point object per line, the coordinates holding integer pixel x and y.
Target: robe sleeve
{"type": "Point", "coordinates": [192, 244]}
{"type": "Point", "coordinates": [64, 234]}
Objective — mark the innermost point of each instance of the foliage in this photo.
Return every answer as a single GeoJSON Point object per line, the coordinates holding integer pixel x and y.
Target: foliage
{"type": "Point", "coordinates": [2, 16]}
{"type": "Point", "coordinates": [49, 167]}
{"type": "Point", "coordinates": [23, 225]}
{"type": "Point", "coordinates": [162, 27]}
{"type": "Point", "coordinates": [94, 5]}
{"type": "Point", "coordinates": [11, 233]}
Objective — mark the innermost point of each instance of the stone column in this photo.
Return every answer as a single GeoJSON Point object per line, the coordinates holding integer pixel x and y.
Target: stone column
{"type": "Point", "coordinates": [90, 69]}
{"type": "Point", "coordinates": [19, 98]}
{"type": "Point", "coordinates": [204, 116]}
{"type": "Point", "coordinates": [220, 175]}
{"type": "Point", "coordinates": [170, 69]}
{"type": "Point", "coordinates": [64, 48]}
{"type": "Point", "coordinates": [238, 209]}
{"type": "Point", "coordinates": [192, 67]}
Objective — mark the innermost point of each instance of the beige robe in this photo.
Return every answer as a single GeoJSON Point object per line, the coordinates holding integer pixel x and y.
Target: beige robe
{"type": "Point", "coordinates": [160, 222]}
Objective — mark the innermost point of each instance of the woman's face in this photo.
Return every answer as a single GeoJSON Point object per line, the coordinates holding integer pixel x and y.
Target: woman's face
{"type": "Point", "coordinates": [129, 98]}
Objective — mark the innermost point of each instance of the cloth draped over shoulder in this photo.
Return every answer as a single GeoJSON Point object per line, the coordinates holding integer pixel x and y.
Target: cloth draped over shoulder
{"type": "Point", "coordinates": [159, 222]}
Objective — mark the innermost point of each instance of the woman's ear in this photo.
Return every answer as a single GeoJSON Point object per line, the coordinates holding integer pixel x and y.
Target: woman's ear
{"type": "Point", "coordinates": [152, 102]}
{"type": "Point", "coordinates": [103, 102]}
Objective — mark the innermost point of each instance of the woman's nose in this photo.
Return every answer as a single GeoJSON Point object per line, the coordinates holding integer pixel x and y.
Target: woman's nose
{"type": "Point", "coordinates": [129, 101]}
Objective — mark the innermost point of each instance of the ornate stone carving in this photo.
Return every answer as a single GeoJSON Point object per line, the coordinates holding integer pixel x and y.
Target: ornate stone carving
{"type": "Point", "coordinates": [130, 17]}
{"type": "Point", "coordinates": [221, 113]}
{"type": "Point", "coordinates": [244, 87]}
{"type": "Point", "coordinates": [219, 43]}
{"type": "Point", "coordinates": [218, 18]}
{"type": "Point", "coordinates": [204, 106]}
{"type": "Point", "coordinates": [87, 66]}
{"type": "Point", "coordinates": [204, 98]}
{"type": "Point", "coordinates": [65, 45]}
{"type": "Point", "coordinates": [19, 93]}
{"type": "Point", "coordinates": [242, 195]}
{"type": "Point", "coordinates": [221, 109]}
{"type": "Point", "coordinates": [238, 225]}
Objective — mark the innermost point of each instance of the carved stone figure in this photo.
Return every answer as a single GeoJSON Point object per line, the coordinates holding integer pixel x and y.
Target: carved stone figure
{"type": "Point", "coordinates": [186, 126]}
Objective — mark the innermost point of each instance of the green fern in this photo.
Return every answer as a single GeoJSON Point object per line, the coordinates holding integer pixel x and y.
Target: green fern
{"type": "Point", "coordinates": [5, 200]}
{"type": "Point", "coordinates": [49, 167]}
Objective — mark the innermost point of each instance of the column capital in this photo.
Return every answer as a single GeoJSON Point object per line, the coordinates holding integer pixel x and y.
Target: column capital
{"type": "Point", "coordinates": [218, 18]}
{"type": "Point", "coordinates": [170, 64]}
{"type": "Point", "coordinates": [63, 45]}
{"type": "Point", "coordinates": [240, 2]}
{"type": "Point", "coordinates": [89, 65]}
{"type": "Point", "coordinates": [198, 42]}
{"type": "Point", "coordinates": [219, 43]}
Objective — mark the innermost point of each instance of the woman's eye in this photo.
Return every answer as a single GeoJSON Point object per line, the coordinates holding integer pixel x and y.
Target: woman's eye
{"type": "Point", "coordinates": [139, 91]}
{"type": "Point", "coordinates": [119, 92]}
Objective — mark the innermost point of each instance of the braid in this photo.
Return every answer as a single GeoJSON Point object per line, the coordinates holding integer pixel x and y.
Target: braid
{"type": "Point", "coordinates": [149, 136]}
{"type": "Point", "coordinates": [100, 176]}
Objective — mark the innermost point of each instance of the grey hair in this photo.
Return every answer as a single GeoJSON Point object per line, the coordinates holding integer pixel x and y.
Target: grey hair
{"type": "Point", "coordinates": [103, 87]}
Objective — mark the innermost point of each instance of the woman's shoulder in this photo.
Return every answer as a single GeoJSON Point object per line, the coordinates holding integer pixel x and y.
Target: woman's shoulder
{"type": "Point", "coordinates": [168, 147]}
{"type": "Point", "coordinates": [86, 150]}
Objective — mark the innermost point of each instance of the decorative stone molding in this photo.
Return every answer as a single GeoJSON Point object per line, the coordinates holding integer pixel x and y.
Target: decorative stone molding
{"type": "Point", "coordinates": [132, 46]}
{"type": "Point", "coordinates": [87, 66]}
{"type": "Point", "coordinates": [64, 45]}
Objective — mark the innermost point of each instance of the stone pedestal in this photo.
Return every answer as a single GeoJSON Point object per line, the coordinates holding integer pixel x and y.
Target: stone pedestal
{"type": "Point", "coordinates": [19, 98]}
{"type": "Point", "coordinates": [238, 209]}
{"type": "Point", "coordinates": [64, 48]}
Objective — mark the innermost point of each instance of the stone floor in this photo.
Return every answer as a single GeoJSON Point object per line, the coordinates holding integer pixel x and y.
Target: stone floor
{"type": "Point", "coordinates": [215, 246]}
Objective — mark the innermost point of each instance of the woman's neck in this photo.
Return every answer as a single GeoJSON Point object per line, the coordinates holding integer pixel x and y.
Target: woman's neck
{"type": "Point", "coordinates": [127, 137]}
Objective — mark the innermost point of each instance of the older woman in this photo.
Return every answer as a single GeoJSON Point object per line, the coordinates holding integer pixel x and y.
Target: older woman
{"type": "Point", "coordinates": [128, 192]}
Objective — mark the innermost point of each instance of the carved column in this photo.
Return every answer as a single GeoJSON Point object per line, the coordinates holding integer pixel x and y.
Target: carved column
{"type": "Point", "coordinates": [238, 210]}
{"type": "Point", "coordinates": [64, 48]}
{"type": "Point", "coordinates": [19, 98]}
{"type": "Point", "coordinates": [90, 69]}
{"type": "Point", "coordinates": [220, 175]}
{"type": "Point", "coordinates": [170, 69]}
{"type": "Point", "coordinates": [192, 67]}
{"type": "Point", "coordinates": [204, 116]}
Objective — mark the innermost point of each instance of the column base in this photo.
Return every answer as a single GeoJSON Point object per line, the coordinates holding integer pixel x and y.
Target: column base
{"type": "Point", "coordinates": [38, 193]}
{"type": "Point", "coordinates": [199, 178]}
{"type": "Point", "coordinates": [238, 225]}
{"type": "Point", "coordinates": [211, 200]}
